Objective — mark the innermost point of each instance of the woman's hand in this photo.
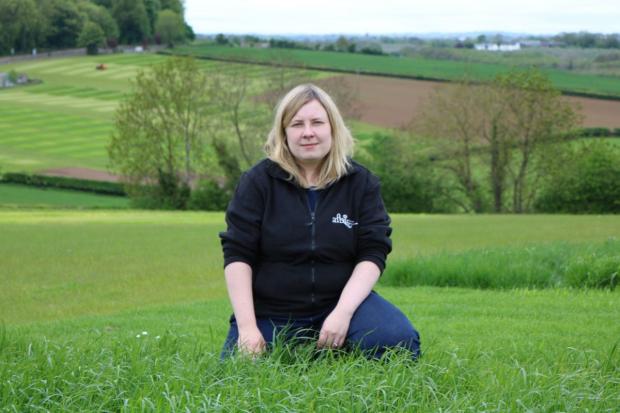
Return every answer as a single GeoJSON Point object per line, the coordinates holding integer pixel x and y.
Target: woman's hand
{"type": "Point", "coordinates": [334, 330]}
{"type": "Point", "coordinates": [251, 341]}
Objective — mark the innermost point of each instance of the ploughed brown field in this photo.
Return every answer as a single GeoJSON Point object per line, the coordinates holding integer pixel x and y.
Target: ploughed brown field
{"type": "Point", "coordinates": [394, 103]}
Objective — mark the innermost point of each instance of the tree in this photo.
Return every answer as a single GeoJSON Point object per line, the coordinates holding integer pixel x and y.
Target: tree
{"type": "Point", "coordinates": [20, 25]}
{"type": "Point", "coordinates": [342, 44]}
{"type": "Point", "coordinates": [63, 23]}
{"type": "Point", "coordinates": [159, 141]}
{"type": "Point", "coordinates": [102, 17]}
{"type": "Point", "coordinates": [153, 7]}
{"type": "Point", "coordinates": [586, 181]}
{"type": "Point", "coordinates": [91, 38]}
{"type": "Point", "coordinates": [170, 27]}
{"type": "Point", "coordinates": [242, 125]}
{"type": "Point", "coordinates": [132, 20]}
{"type": "Point", "coordinates": [505, 133]}
{"type": "Point", "coordinates": [174, 5]}
{"type": "Point", "coordinates": [537, 120]}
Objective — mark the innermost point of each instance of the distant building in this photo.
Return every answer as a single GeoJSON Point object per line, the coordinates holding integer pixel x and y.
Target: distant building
{"type": "Point", "coordinates": [494, 47]}
{"type": "Point", "coordinates": [6, 81]}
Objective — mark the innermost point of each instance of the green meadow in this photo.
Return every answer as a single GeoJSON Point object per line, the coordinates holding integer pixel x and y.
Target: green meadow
{"type": "Point", "coordinates": [126, 311]}
{"type": "Point", "coordinates": [66, 121]}
{"type": "Point", "coordinates": [414, 67]}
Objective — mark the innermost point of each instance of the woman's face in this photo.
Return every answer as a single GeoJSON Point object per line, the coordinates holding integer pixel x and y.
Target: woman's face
{"type": "Point", "coordinates": [309, 134]}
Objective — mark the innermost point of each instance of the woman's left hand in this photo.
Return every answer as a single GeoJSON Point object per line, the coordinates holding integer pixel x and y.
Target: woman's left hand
{"type": "Point", "coordinates": [334, 330]}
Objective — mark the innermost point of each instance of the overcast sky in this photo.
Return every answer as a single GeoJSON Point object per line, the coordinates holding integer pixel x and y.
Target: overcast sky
{"type": "Point", "coordinates": [402, 16]}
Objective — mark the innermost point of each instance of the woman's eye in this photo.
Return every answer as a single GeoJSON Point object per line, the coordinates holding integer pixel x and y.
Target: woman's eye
{"type": "Point", "coordinates": [318, 122]}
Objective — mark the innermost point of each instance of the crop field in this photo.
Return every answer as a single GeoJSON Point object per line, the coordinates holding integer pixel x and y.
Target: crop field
{"type": "Point", "coordinates": [21, 196]}
{"type": "Point", "coordinates": [410, 67]}
{"type": "Point", "coordinates": [127, 310]}
{"type": "Point", "coordinates": [67, 120]}
{"type": "Point", "coordinates": [578, 60]}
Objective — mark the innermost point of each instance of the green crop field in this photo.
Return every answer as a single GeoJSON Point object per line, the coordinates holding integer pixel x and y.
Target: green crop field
{"type": "Point", "coordinates": [416, 67]}
{"type": "Point", "coordinates": [67, 120]}
{"type": "Point", "coordinates": [22, 196]}
{"type": "Point", "coordinates": [127, 310]}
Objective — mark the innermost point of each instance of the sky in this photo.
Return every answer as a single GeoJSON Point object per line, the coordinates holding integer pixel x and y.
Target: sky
{"type": "Point", "coordinates": [402, 16]}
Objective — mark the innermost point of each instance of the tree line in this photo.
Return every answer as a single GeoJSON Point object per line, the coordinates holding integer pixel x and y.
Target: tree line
{"type": "Point", "coordinates": [61, 24]}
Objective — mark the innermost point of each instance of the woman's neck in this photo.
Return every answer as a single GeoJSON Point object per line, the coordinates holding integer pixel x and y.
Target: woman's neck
{"type": "Point", "coordinates": [311, 173]}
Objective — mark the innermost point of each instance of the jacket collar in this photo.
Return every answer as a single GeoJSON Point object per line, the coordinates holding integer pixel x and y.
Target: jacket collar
{"type": "Point", "coordinates": [276, 171]}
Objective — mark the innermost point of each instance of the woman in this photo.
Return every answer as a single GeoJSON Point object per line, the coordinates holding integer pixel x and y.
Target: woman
{"type": "Point", "coordinates": [307, 239]}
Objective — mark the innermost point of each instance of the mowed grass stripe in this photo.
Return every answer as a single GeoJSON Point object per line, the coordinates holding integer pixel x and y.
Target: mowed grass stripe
{"type": "Point", "coordinates": [34, 119]}
{"type": "Point", "coordinates": [77, 92]}
{"type": "Point", "coordinates": [33, 122]}
{"type": "Point", "coordinates": [67, 101]}
{"type": "Point", "coordinates": [58, 143]}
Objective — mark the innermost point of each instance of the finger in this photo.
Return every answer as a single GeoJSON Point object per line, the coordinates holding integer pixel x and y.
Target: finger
{"type": "Point", "coordinates": [330, 340]}
{"type": "Point", "coordinates": [322, 341]}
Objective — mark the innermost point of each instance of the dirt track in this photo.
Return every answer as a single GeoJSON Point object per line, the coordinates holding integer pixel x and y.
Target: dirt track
{"type": "Point", "coordinates": [81, 173]}
{"type": "Point", "coordinates": [394, 102]}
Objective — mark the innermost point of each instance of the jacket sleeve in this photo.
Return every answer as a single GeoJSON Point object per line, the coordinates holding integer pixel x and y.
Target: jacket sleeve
{"type": "Point", "coordinates": [241, 240]}
{"type": "Point", "coordinates": [373, 243]}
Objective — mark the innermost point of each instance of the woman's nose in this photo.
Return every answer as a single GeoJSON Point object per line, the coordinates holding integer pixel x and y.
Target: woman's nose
{"type": "Point", "coordinates": [308, 131]}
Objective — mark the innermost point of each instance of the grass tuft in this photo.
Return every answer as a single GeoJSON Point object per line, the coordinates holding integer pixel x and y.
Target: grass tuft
{"type": "Point", "coordinates": [591, 265]}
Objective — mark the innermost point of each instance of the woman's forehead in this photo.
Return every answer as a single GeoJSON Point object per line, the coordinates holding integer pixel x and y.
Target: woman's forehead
{"type": "Point", "coordinates": [312, 109]}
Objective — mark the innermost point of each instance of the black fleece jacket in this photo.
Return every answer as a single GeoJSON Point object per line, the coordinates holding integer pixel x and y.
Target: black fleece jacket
{"type": "Point", "coordinates": [302, 259]}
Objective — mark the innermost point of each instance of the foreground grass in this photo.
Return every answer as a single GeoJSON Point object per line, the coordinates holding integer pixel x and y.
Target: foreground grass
{"type": "Point", "coordinates": [57, 264]}
{"type": "Point", "coordinates": [21, 196]}
{"type": "Point", "coordinates": [545, 350]}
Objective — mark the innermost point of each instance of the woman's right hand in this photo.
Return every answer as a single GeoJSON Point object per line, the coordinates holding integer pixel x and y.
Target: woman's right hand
{"type": "Point", "coordinates": [251, 341]}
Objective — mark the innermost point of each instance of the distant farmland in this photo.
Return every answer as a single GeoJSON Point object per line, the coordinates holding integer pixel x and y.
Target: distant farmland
{"type": "Point", "coordinates": [63, 125]}
{"type": "Point", "coordinates": [392, 103]}
{"type": "Point", "coordinates": [417, 68]}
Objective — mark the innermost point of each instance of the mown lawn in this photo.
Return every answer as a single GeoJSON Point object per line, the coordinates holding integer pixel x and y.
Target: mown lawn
{"type": "Point", "coordinates": [80, 288]}
{"type": "Point", "coordinates": [66, 121]}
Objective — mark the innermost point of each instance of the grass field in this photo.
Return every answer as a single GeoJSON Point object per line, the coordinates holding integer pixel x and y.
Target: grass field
{"type": "Point", "coordinates": [412, 67]}
{"type": "Point", "coordinates": [577, 60]}
{"type": "Point", "coordinates": [20, 196]}
{"type": "Point", "coordinates": [80, 288]}
{"type": "Point", "coordinates": [67, 120]}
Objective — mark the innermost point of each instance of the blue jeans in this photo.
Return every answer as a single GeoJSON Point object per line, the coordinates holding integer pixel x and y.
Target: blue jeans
{"type": "Point", "coordinates": [376, 326]}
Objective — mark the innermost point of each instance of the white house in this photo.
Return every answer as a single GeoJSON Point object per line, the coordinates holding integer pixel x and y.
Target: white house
{"type": "Point", "coordinates": [493, 47]}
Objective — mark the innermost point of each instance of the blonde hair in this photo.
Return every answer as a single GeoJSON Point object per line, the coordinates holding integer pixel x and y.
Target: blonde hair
{"type": "Point", "coordinates": [337, 161]}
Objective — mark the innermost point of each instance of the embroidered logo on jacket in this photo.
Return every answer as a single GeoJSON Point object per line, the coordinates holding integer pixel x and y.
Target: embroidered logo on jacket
{"type": "Point", "coordinates": [343, 219]}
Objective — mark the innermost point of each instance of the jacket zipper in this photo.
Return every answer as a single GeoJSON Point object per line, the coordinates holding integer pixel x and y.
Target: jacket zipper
{"type": "Point", "coordinates": [312, 225]}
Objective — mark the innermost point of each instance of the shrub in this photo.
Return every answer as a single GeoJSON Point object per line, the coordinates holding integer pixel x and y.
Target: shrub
{"type": "Point", "coordinates": [209, 196]}
{"type": "Point", "coordinates": [43, 181]}
{"type": "Point", "coordinates": [589, 182]}
{"type": "Point", "coordinates": [408, 183]}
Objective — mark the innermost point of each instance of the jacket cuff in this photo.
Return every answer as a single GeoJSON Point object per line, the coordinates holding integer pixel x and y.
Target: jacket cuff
{"type": "Point", "coordinates": [230, 260]}
{"type": "Point", "coordinates": [378, 261]}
